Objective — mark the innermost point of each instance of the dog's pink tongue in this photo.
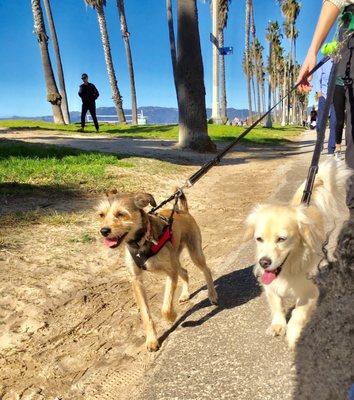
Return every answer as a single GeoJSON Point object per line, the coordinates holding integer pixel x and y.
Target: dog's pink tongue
{"type": "Point", "coordinates": [268, 277]}
{"type": "Point", "coordinates": [110, 242]}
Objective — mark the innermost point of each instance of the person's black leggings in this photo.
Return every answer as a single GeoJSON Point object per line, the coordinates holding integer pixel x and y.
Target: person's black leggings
{"type": "Point", "coordinates": [339, 107]}
{"type": "Point", "coordinates": [92, 109]}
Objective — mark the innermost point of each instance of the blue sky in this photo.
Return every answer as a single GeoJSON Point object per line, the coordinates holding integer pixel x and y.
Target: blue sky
{"type": "Point", "coordinates": [21, 77]}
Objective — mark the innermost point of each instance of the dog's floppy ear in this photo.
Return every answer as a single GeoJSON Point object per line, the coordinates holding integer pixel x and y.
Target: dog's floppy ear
{"type": "Point", "coordinates": [251, 223]}
{"type": "Point", "coordinates": [142, 200]}
{"type": "Point", "coordinates": [311, 234]}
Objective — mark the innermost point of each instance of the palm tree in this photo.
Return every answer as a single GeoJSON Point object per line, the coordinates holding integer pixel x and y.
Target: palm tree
{"type": "Point", "coordinates": [125, 35]}
{"type": "Point", "coordinates": [291, 10]}
{"type": "Point", "coordinates": [171, 35]}
{"type": "Point", "coordinates": [53, 95]}
{"type": "Point", "coordinates": [98, 5]}
{"type": "Point", "coordinates": [62, 90]}
{"type": "Point", "coordinates": [247, 55]}
{"type": "Point", "coordinates": [222, 22]}
{"type": "Point", "coordinates": [193, 132]}
{"type": "Point", "coordinates": [273, 37]}
{"type": "Point", "coordinates": [257, 55]}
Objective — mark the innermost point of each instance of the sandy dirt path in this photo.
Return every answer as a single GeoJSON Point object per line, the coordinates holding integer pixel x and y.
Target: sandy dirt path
{"type": "Point", "coordinates": [69, 325]}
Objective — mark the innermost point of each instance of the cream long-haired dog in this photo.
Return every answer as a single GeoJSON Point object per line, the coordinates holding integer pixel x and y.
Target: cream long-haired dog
{"type": "Point", "coordinates": [289, 240]}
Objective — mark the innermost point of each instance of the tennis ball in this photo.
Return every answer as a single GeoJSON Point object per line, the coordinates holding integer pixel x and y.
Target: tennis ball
{"type": "Point", "coordinates": [329, 48]}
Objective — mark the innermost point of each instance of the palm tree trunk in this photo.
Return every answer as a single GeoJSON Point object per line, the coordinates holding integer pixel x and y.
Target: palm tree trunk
{"type": "Point", "coordinates": [62, 90]}
{"type": "Point", "coordinates": [223, 99]}
{"type": "Point", "coordinates": [171, 36]}
{"type": "Point", "coordinates": [254, 94]}
{"type": "Point", "coordinates": [125, 35]}
{"type": "Point", "coordinates": [284, 108]}
{"type": "Point", "coordinates": [117, 98]}
{"type": "Point", "coordinates": [193, 131]}
{"type": "Point", "coordinates": [269, 123]}
{"type": "Point", "coordinates": [259, 99]}
{"type": "Point", "coordinates": [247, 55]}
{"type": "Point", "coordinates": [53, 95]}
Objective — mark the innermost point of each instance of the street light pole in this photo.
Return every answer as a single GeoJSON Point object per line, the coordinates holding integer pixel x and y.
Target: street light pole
{"type": "Point", "coordinates": [215, 114]}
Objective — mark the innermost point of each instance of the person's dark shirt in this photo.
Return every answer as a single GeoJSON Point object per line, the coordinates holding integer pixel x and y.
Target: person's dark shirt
{"type": "Point", "coordinates": [88, 93]}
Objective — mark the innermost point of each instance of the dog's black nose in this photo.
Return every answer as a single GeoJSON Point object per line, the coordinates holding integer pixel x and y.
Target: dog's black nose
{"type": "Point", "coordinates": [265, 262]}
{"type": "Point", "coordinates": [105, 231]}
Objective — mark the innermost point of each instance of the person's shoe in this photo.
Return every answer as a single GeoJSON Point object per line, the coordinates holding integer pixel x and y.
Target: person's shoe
{"type": "Point", "coordinates": [330, 154]}
{"type": "Point", "coordinates": [338, 156]}
{"type": "Point", "coordinates": [81, 130]}
{"type": "Point", "coordinates": [97, 131]}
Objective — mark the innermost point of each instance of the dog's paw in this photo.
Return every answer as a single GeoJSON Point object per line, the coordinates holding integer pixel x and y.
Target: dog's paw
{"type": "Point", "coordinates": [213, 297]}
{"type": "Point", "coordinates": [292, 338]}
{"type": "Point", "coordinates": [152, 344]}
{"type": "Point", "coordinates": [277, 330]}
{"type": "Point", "coordinates": [183, 298]}
{"type": "Point", "coordinates": [169, 315]}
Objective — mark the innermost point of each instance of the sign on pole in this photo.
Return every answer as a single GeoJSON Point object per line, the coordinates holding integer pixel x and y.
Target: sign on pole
{"type": "Point", "coordinates": [225, 51]}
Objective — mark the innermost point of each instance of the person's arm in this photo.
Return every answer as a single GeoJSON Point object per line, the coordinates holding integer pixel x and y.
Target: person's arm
{"type": "Point", "coordinates": [95, 91]}
{"type": "Point", "coordinates": [80, 91]}
{"type": "Point", "coordinates": [329, 14]}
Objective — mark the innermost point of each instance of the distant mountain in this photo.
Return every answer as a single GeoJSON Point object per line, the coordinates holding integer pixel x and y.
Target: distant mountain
{"type": "Point", "coordinates": [155, 115]}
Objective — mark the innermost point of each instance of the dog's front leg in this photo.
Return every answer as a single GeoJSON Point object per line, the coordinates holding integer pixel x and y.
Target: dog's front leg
{"type": "Point", "coordinates": [167, 310]}
{"type": "Point", "coordinates": [300, 315]}
{"type": "Point", "coordinates": [278, 325]}
{"type": "Point", "coordinates": [152, 343]}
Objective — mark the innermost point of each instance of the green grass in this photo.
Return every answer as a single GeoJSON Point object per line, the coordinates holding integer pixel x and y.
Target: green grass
{"type": "Point", "coordinates": [216, 132]}
{"type": "Point", "coordinates": [26, 167]}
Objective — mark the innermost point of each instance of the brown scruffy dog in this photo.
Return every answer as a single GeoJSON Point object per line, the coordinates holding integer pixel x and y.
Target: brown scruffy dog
{"type": "Point", "coordinates": [124, 222]}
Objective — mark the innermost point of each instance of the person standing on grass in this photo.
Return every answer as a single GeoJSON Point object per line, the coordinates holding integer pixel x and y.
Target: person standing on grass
{"type": "Point", "coordinates": [320, 85]}
{"type": "Point", "coordinates": [330, 11]}
{"type": "Point", "coordinates": [89, 95]}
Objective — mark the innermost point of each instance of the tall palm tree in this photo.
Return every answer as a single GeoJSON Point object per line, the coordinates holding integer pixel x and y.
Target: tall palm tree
{"type": "Point", "coordinates": [53, 95]}
{"type": "Point", "coordinates": [193, 131]}
{"type": "Point", "coordinates": [125, 35]}
{"type": "Point", "coordinates": [273, 37]}
{"type": "Point", "coordinates": [62, 90]}
{"type": "Point", "coordinates": [222, 22]}
{"type": "Point", "coordinates": [291, 10]}
{"type": "Point", "coordinates": [257, 55]}
{"type": "Point", "coordinates": [98, 5]}
{"type": "Point", "coordinates": [171, 35]}
{"type": "Point", "coordinates": [247, 55]}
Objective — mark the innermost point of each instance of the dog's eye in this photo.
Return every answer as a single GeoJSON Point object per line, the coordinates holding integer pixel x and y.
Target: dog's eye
{"type": "Point", "coordinates": [259, 239]}
{"type": "Point", "coordinates": [101, 215]}
{"type": "Point", "coordinates": [281, 239]}
{"type": "Point", "coordinates": [119, 214]}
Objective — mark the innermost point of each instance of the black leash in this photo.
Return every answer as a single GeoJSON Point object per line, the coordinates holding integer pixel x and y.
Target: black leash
{"type": "Point", "coordinates": [217, 159]}
{"type": "Point", "coordinates": [321, 131]}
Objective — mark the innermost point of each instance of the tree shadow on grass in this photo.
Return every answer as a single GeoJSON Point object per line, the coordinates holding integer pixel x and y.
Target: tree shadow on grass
{"type": "Point", "coordinates": [234, 289]}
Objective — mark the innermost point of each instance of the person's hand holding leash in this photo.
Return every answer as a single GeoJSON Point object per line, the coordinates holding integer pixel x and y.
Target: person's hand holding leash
{"type": "Point", "coordinates": [328, 16]}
